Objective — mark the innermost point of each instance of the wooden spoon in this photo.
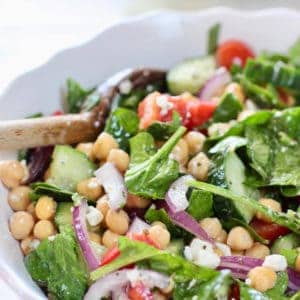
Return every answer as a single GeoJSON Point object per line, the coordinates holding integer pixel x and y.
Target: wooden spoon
{"type": "Point", "coordinates": [74, 128]}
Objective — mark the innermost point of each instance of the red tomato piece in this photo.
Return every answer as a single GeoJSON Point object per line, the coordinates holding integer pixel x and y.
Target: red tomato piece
{"type": "Point", "coordinates": [268, 231]}
{"type": "Point", "coordinates": [110, 255]}
{"type": "Point", "coordinates": [139, 292]}
{"type": "Point", "coordinates": [232, 51]}
{"type": "Point", "coordinates": [141, 237]}
{"type": "Point", "coordinates": [58, 113]}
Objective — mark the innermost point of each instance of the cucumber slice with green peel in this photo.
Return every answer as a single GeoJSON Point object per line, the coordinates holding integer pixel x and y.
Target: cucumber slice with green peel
{"type": "Point", "coordinates": [63, 215]}
{"type": "Point", "coordinates": [190, 75]}
{"type": "Point", "coordinates": [288, 241]}
{"type": "Point", "coordinates": [68, 167]}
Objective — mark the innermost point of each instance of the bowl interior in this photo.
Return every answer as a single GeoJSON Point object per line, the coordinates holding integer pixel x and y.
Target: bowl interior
{"type": "Point", "coordinates": [157, 40]}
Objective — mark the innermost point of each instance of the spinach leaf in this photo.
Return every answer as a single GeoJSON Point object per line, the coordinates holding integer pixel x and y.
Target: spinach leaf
{"type": "Point", "coordinates": [200, 204]}
{"type": "Point", "coordinates": [163, 130]}
{"type": "Point", "coordinates": [274, 148]}
{"type": "Point", "coordinates": [75, 95]}
{"type": "Point", "coordinates": [150, 175]}
{"type": "Point", "coordinates": [290, 219]}
{"type": "Point", "coordinates": [122, 124]}
{"type": "Point", "coordinates": [42, 188]}
{"type": "Point", "coordinates": [216, 288]}
{"type": "Point", "coordinates": [278, 291]}
{"type": "Point", "coordinates": [155, 259]}
{"type": "Point", "coordinates": [213, 38]}
{"type": "Point", "coordinates": [248, 293]}
{"type": "Point", "coordinates": [290, 191]}
{"type": "Point", "coordinates": [230, 143]}
{"type": "Point", "coordinates": [290, 255]}
{"type": "Point", "coordinates": [294, 53]}
{"type": "Point", "coordinates": [58, 265]}
{"type": "Point", "coordinates": [228, 108]}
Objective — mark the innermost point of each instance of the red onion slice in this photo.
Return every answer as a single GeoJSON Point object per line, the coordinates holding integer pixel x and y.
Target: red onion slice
{"type": "Point", "coordinates": [79, 224]}
{"type": "Point", "coordinates": [176, 195]}
{"type": "Point", "coordinates": [214, 84]}
{"type": "Point", "coordinates": [187, 222]}
{"type": "Point", "coordinates": [138, 226]}
{"type": "Point", "coordinates": [116, 280]}
{"type": "Point", "coordinates": [113, 183]}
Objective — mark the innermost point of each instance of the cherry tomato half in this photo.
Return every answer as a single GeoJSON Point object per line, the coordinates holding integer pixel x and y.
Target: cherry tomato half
{"type": "Point", "coordinates": [232, 51]}
{"type": "Point", "coordinates": [268, 231]}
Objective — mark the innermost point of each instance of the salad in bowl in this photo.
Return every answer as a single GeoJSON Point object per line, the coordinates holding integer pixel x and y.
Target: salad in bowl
{"type": "Point", "coordinates": [190, 191]}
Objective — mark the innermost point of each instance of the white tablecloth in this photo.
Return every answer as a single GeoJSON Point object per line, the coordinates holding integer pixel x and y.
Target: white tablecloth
{"type": "Point", "coordinates": [32, 31]}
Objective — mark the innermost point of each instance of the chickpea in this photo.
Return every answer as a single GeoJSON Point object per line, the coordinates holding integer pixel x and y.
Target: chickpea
{"type": "Point", "coordinates": [31, 209]}
{"type": "Point", "coordinates": [269, 203]}
{"type": "Point", "coordinates": [43, 229]}
{"type": "Point", "coordinates": [12, 173]}
{"type": "Point", "coordinates": [222, 237]}
{"type": "Point", "coordinates": [218, 251]}
{"type": "Point", "coordinates": [90, 188]}
{"type": "Point", "coordinates": [239, 239]}
{"type": "Point", "coordinates": [117, 221]}
{"type": "Point", "coordinates": [297, 263]}
{"type": "Point", "coordinates": [18, 198]}
{"type": "Point", "coordinates": [237, 253]}
{"type": "Point", "coordinates": [195, 141]}
{"type": "Point", "coordinates": [181, 152]}
{"type": "Point", "coordinates": [87, 149]}
{"type": "Point", "coordinates": [158, 223]}
{"type": "Point", "coordinates": [258, 250]}
{"type": "Point", "coordinates": [28, 244]}
{"type": "Point", "coordinates": [262, 278]}
{"type": "Point", "coordinates": [212, 226]}
{"type": "Point", "coordinates": [136, 201]}
{"type": "Point", "coordinates": [95, 237]}
{"type": "Point", "coordinates": [198, 166]}
{"type": "Point", "coordinates": [45, 208]}
{"type": "Point", "coordinates": [103, 145]}
{"type": "Point", "coordinates": [103, 205]}
{"type": "Point", "coordinates": [160, 235]}
{"type": "Point", "coordinates": [120, 159]}
{"type": "Point", "coordinates": [21, 224]}
{"type": "Point", "coordinates": [110, 239]}
{"type": "Point", "coordinates": [236, 90]}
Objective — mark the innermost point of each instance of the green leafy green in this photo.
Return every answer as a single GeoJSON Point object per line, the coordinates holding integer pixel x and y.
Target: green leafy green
{"type": "Point", "coordinates": [150, 175]}
{"type": "Point", "coordinates": [75, 95]}
{"type": "Point", "coordinates": [290, 255]}
{"type": "Point", "coordinates": [63, 215]}
{"type": "Point", "coordinates": [42, 188]}
{"type": "Point", "coordinates": [200, 204]}
{"type": "Point", "coordinates": [294, 53]}
{"type": "Point", "coordinates": [122, 124]}
{"type": "Point", "coordinates": [228, 108]}
{"type": "Point", "coordinates": [290, 191]}
{"type": "Point", "coordinates": [213, 38]}
{"type": "Point", "coordinates": [274, 148]}
{"type": "Point", "coordinates": [57, 265]}
{"type": "Point", "coordinates": [290, 219]}
{"type": "Point", "coordinates": [230, 143]}
{"type": "Point", "coordinates": [278, 291]}
{"type": "Point", "coordinates": [248, 293]}
{"type": "Point", "coordinates": [277, 73]}
{"type": "Point", "coordinates": [216, 288]}
{"type": "Point", "coordinates": [163, 130]}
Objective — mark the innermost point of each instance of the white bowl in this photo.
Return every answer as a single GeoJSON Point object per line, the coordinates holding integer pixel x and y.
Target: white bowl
{"type": "Point", "coordinates": [154, 40]}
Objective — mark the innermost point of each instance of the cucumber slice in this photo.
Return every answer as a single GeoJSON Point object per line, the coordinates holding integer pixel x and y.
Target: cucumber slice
{"type": "Point", "coordinates": [68, 167]}
{"type": "Point", "coordinates": [288, 241]}
{"type": "Point", "coordinates": [229, 172]}
{"type": "Point", "coordinates": [190, 75]}
{"type": "Point", "coordinates": [63, 214]}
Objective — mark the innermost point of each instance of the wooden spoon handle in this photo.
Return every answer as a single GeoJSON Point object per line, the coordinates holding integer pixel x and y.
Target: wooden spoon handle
{"type": "Point", "coordinates": [65, 129]}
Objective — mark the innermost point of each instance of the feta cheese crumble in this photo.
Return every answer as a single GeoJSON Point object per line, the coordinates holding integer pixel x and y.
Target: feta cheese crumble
{"type": "Point", "coordinates": [276, 262]}
{"type": "Point", "coordinates": [93, 216]}
{"type": "Point", "coordinates": [125, 87]}
{"type": "Point", "coordinates": [202, 254]}
{"type": "Point", "coordinates": [164, 104]}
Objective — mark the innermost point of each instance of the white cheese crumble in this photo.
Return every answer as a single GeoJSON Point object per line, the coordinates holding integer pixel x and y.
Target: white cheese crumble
{"type": "Point", "coordinates": [276, 262]}
{"type": "Point", "coordinates": [202, 254]}
{"type": "Point", "coordinates": [34, 243]}
{"type": "Point", "coordinates": [248, 281]}
{"type": "Point", "coordinates": [94, 216]}
{"type": "Point", "coordinates": [125, 87]}
{"type": "Point", "coordinates": [164, 104]}
{"type": "Point", "coordinates": [51, 238]}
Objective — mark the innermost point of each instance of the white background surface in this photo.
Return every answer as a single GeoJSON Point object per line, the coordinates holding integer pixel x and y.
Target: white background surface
{"type": "Point", "coordinates": [31, 31]}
